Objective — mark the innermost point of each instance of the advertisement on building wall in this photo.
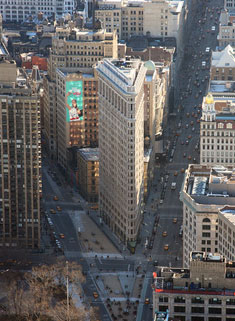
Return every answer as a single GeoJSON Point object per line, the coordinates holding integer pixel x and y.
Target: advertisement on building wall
{"type": "Point", "coordinates": [74, 101]}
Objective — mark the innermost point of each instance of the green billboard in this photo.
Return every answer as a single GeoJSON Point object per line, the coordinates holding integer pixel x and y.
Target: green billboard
{"type": "Point", "coordinates": [74, 100]}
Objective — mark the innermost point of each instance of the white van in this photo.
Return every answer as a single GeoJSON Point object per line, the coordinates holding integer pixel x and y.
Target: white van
{"type": "Point", "coordinates": [173, 185]}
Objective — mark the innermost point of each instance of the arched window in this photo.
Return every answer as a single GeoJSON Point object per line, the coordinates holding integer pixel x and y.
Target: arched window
{"type": "Point", "coordinates": [229, 125]}
{"type": "Point", "coordinates": [206, 220]}
{"type": "Point", "coordinates": [220, 125]}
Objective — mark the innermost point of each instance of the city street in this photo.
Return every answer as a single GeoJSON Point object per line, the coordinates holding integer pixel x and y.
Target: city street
{"type": "Point", "coordinates": [161, 236]}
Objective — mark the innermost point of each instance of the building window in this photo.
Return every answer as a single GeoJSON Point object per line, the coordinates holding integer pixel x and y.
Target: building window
{"type": "Point", "coordinates": [206, 234]}
{"type": "Point", "coordinates": [163, 308]}
{"type": "Point", "coordinates": [214, 310]}
{"type": "Point", "coordinates": [179, 308]}
{"type": "Point", "coordinates": [163, 299]}
{"type": "Point", "coordinates": [197, 309]}
{"type": "Point", "coordinates": [179, 299]}
{"type": "Point", "coordinates": [230, 302]}
{"type": "Point", "coordinates": [215, 301]}
{"type": "Point", "coordinates": [206, 227]}
{"type": "Point", "coordinates": [197, 300]}
{"type": "Point", "coordinates": [230, 311]}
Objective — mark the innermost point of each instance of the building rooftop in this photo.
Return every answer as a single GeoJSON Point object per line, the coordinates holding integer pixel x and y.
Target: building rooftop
{"type": "Point", "coordinates": [208, 275]}
{"type": "Point", "coordinates": [86, 74]}
{"type": "Point", "coordinates": [124, 70]}
{"type": "Point", "coordinates": [201, 256]}
{"type": "Point", "coordinates": [89, 154]}
{"type": "Point", "coordinates": [229, 213]}
{"type": "Point", "coordinates": [84, 35]}
{"type": "Point", "coordinates": [210, 185]}
{"type": "Point", "coordinates": [139, 43]}
{"type": "Point", "coordinates": [224, 58]}
{"type": "Point", "coordinates": [220, 86]}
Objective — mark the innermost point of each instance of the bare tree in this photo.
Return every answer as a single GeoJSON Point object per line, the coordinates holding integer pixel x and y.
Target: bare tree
{"type": "Point", "coordinates": [41, 294]}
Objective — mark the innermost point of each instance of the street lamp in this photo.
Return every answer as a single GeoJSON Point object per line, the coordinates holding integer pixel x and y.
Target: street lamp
{"type": "Point", "coordinates": [67, 287]}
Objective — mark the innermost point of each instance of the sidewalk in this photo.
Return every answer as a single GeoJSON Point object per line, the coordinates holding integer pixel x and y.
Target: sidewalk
{"type": "Point", "coordinates": [94, 215]}
{"type": "Point", "coordinates": [148, 219]}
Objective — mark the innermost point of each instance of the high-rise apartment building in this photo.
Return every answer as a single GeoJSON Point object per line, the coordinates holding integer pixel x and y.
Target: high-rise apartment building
{"type": "Point", "coordinates": [121, 144]}
{"type": "Point", "coordinates": [20, 159]}
{"type": "Point", "coordinates": [73, 51]}
{"type": "Point", "coordinates": [217, 131]}
{"type": "Point", "coordinates": [205, 191]}
{"type": "Point", "coordinates": [21, 10]}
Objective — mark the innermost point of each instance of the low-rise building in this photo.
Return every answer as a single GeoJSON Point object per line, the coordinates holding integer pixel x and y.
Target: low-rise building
{"type": "Point", "coordinates": [203, 292]}
{"type": "Point", "coordinates": [223, 64]}
{"type": "Point", "coordinates": [229, 4]}
{"type": "Point", "coordinates": [28, 60]}
{"type": "Point", "coordinates": [226, 28]}
{"type": "Point", "coordinates": [205, 191]}
{"type": "Point", "coordinates": [217, 144]}
{"type": "Point", "coordinates": [88, 173]}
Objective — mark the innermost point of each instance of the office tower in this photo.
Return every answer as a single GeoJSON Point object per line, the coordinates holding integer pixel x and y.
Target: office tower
{"type": "Point", "coordinates": [121, 144]}
{"type": "Point", "coordinates": [20, 159]}
{"type": "Point", "coordinates": [20, 10]}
